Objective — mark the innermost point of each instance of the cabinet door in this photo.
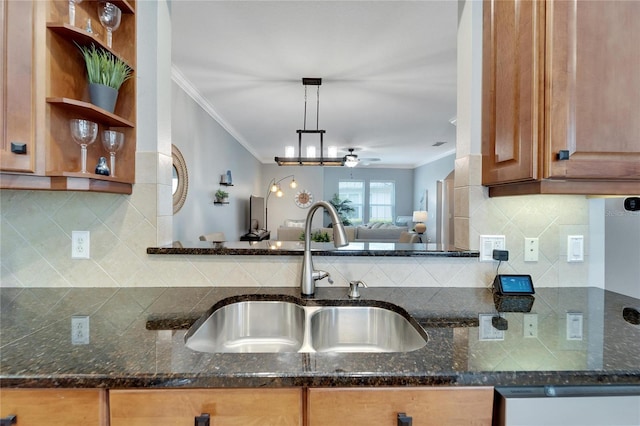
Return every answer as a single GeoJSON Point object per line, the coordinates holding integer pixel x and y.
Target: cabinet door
{"type": "Point", "coordinates": [55, 407]}
{"type": "Point", "coordinates": [593, 99]}
{"type": "Point", "coordinates": [278, 407]}
{"type": "Point", "coordinates": [380, 406]}
{"type": "Point", "coordinates": [513, 72]}
{"type": "Point", "coordinates": [16, 99]}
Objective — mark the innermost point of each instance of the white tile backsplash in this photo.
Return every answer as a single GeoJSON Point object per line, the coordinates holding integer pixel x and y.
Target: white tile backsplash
{"type": "Point", "coordinates": [36, 230]}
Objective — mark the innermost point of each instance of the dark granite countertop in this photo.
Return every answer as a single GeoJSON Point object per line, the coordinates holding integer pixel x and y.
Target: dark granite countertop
{"type": "Point", "coordinates": [296, 248]}
{"type": "Point", "coordinates": [137, 335]}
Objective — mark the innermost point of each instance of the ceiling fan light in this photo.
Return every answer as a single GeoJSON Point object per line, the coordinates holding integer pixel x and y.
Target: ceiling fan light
{"type": "Point", "coordinates": [350, 160]}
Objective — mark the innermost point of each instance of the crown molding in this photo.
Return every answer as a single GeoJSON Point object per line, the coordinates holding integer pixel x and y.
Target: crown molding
{"type": "Point", "coordinates": [179, 78]}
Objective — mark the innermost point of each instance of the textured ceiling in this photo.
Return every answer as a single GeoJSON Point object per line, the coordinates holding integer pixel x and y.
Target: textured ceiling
{"type": "Point", "coordinates": [388, 70]}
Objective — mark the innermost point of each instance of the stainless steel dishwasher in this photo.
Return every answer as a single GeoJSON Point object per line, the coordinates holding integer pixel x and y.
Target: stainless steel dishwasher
{"type": "Point", "coordinates": [597, 405]}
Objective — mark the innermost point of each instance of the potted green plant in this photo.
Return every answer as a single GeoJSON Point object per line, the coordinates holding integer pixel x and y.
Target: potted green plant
{"type": "Point", "coordinates": [317, 236]}
{"type": "Point", "coordinates": [106, 73]}
{"type": "Point", "coordinates": [221, 196]}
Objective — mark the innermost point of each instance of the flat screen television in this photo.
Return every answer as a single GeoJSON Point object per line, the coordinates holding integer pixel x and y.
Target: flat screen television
{"type": "Point", "coordinates": [256, 213]}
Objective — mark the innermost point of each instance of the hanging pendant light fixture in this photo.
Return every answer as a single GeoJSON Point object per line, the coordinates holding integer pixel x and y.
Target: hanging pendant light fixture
{"type": "Point", "coordinates": [313, 157]}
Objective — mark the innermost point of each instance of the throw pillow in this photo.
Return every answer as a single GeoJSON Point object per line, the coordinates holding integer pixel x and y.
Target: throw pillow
{"type": "Point", "coordinates": [294, 223]}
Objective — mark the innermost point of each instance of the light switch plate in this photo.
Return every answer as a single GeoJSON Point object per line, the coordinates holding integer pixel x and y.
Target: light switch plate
{"type": "Point", "coordinates": [574, 325]}
{"type": "Point", "coordinates": [575, 248]}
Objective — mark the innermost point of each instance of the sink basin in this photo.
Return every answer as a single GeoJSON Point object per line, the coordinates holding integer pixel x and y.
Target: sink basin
{"type": "Point", "coordinates": [363, 329]}
{"type": "Point", "coordinates": [250, 326]}
{"type": "Point", "coordinates": [255, 326]}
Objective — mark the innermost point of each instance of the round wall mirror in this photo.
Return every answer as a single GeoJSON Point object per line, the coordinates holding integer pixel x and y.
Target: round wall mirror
{"type": "Point", "coordinates": [180, 179]}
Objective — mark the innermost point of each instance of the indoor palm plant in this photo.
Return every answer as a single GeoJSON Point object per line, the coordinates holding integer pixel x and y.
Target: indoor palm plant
{"type": "Point", "coordinates": [106, 73]}
{"type": "Point", "coordinates": [344, 209]}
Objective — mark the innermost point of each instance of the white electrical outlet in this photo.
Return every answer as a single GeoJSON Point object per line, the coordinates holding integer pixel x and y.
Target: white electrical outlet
{"type": "Point", "coordinates": [530, 249]}
{"type": "Point", "coordinates": [489, 243]}
{"type": "Point", "coordinates": [575, 248]}
{"type": "Point", "coordinates": [80, 245]}
{"type": "Point", "coordinates": [530, 328]}
{"type": "Point", "coordinates": [487, 331]}
{"type": "Point", "coordinates": [80, 330]}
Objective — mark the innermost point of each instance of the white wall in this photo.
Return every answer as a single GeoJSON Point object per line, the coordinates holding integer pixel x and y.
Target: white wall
{"type": "Point", "coordinates": [426, 183]}
{"type": "Point", "coordinates": [403, 178]}
{"type": "Point", "coordinates": [209, 151]}
{"type": "Point", "coordinates": [622, 248]}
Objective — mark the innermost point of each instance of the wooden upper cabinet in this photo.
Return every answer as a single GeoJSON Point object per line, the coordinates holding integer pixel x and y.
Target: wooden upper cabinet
{"type": "Point", "coordinates": [16, 99]}
{"type": "Point", "coordinates": [513, 82]}
{"type": "Point", "coordinates": [561, 97]}
{"type": "Point", "coordinates": [44, 86]}
{"type": "Point", "coordinates": [593, 71]}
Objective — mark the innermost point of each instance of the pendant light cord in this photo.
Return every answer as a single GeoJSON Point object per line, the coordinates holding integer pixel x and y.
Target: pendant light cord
{"type": "Point", "coordinates": [318, 108]}
{"type": "Point", "coordinates": [304, 123]}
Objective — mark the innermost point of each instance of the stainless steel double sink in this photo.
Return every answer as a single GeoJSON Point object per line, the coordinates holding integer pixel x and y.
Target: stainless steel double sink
{"type": "Point", "coordinates": [258, 326]}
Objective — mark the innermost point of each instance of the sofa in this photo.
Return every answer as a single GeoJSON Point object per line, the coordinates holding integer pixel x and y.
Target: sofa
{"type": "Point", "coordinates": [370, 232]}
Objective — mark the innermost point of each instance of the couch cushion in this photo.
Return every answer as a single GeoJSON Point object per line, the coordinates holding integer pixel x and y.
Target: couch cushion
{"type": "Point", "coordinates": [294, 223]}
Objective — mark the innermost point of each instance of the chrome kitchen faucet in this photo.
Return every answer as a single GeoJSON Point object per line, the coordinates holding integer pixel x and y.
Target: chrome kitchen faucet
{"type": "Point", "coordinates": [309, 275]}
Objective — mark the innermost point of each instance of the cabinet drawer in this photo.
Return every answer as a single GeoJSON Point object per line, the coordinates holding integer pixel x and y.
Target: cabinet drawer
{"type": "Point", "coordinates": [278, 407]}
{"type": "Point", "coordinates": [53, 407]}
{"type": "Point", "coordinates": [426, 406]}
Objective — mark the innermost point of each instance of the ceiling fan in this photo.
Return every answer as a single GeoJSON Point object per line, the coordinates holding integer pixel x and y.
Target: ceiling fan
{"type": "Point", "coordinates": [352, 160]}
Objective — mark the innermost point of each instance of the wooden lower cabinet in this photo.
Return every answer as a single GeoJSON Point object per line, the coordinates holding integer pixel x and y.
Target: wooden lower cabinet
{"type": "Point", "coordinates": [53, 407]}
{"type": "Point", "coordinates": [380, 406]}
{"type": "Point", "coordinates": [439, 406]}
{"type": "Point", "coordinates": [226, 407]}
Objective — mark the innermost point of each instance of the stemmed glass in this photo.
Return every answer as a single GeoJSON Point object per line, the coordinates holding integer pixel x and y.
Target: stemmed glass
{"type": "Point", "coordinates": [112, 142]}
{"type": "Point", "coordinates": [109, 15]}
{"type": "Point", "coordinates": [72, 11]}
{"type": "Point", "coordinates": [84, 133]}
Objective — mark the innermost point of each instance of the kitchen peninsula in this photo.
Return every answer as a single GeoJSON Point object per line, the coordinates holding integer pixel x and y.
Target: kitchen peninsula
{"type": "Point", "coordinates": [136, 340]}
{"type": "Point", "coordinates": [136, 352]}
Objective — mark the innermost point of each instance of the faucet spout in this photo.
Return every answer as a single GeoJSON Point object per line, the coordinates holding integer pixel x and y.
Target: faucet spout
{"type": "Point", "coordinates": [309, 275]}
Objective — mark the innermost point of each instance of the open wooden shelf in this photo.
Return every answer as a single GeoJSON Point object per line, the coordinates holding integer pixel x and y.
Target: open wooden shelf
{"type": "Point", "coordinates": [91, 111]}
{"type": "Point", "coordinates": [83, 38]}
{"type": "Point", "coordinates": [73, 182]}
{"type": "Point", "coordinates": [124, 6]}
{"type": "Point", "coordinates": [88, 175]}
